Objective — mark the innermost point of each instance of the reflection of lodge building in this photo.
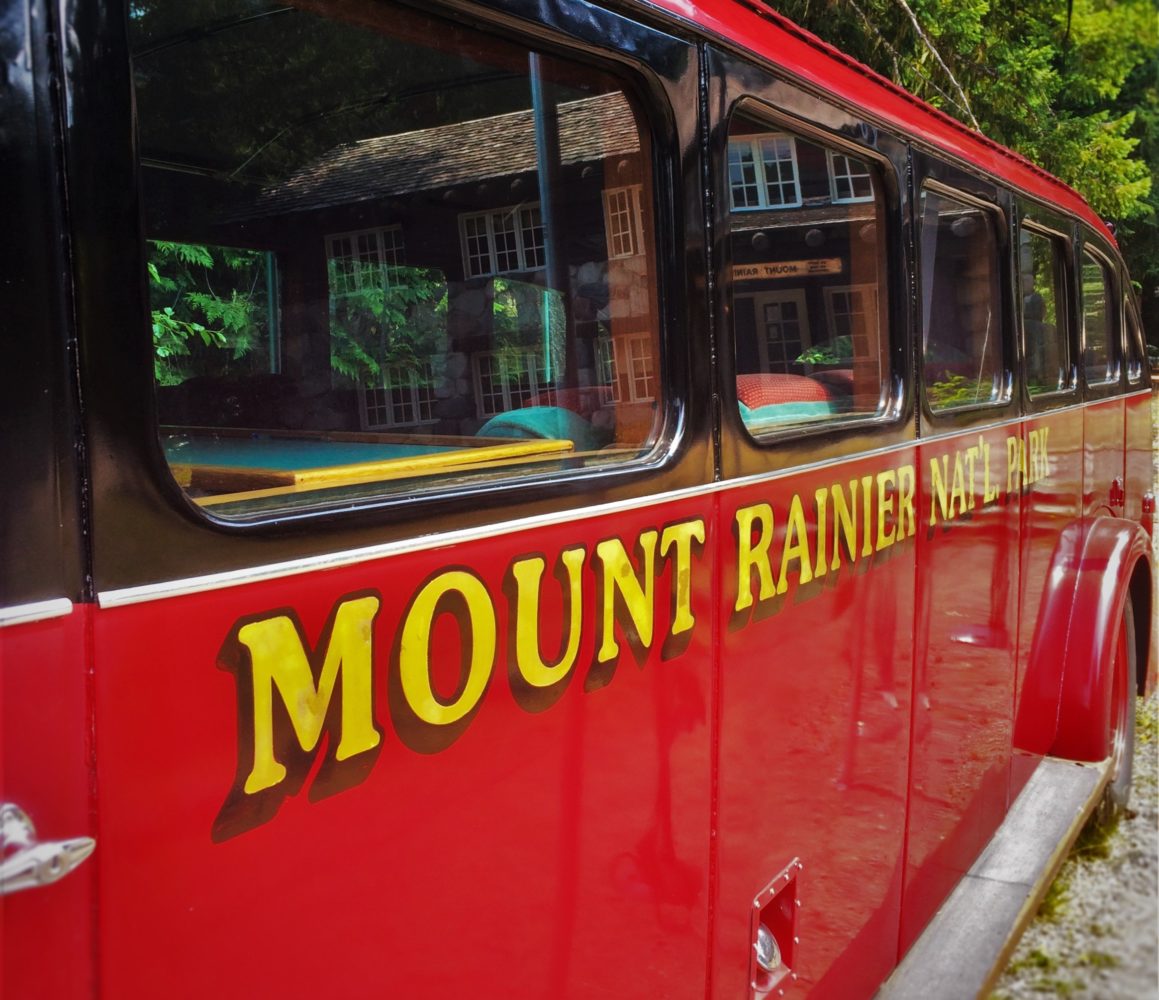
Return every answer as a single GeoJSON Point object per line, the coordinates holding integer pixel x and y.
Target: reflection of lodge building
{"type": "Point", "coordinates": [455, 211]}
{"type": "Point", "coordinates": [805, 261]}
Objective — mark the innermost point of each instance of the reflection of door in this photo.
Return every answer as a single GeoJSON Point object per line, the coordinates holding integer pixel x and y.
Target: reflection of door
{"type": "Point", "coordinates": [782, 328]}
{"type": "Point", "coordinates": [851, 311]}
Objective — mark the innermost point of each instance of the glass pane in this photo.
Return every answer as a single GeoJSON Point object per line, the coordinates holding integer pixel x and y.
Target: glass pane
{"type": "Point", "coordinates": [388, 255]}
{"type": "Point", "coordinates": [808, 284]}
{"type": "Point", "coordinates": [962, 333]}
{"type": "Point", "coordinates": [1040, 263]}
{"type": "Point", "coordinates": [1136, 351]}
{"type": "Point", "coordinates": [1099, 365]}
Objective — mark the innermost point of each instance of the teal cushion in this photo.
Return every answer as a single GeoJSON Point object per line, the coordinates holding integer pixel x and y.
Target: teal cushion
{"type": "Point", "coordinates": [547, 422]}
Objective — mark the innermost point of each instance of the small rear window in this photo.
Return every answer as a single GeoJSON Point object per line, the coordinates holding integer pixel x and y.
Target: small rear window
{"type": "Point", "coordinates": [963, 336]}
{"type": "Point", "coordinates": [389, 258]}
{"type": "Point", "coordinates": [809, 281]}
{"type": "Point", "coordinates": [1043, 301]}
{"type": "Point", "coordinates": [1100, 355]}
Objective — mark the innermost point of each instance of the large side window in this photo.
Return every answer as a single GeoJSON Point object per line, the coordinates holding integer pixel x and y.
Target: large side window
{"type": "Point", "coordinates": [1100, 355]}
{"type": "Point", "coordinates": [963, 339]}
{"type": "Point", "coordinates": [391, 255]}
{"type": "Point", "coordinates": [809, 293]}
{"type": "Point", "coordinates": [1041, 260]}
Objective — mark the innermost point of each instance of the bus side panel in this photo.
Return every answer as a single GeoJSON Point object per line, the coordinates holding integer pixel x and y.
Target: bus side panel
{"type": "Point", "coordinates": [814, 717]}
{"type": "Point", "coordinates": [539, 844]}
{"type": "Point", "coordinates": [966, 631]}
{"type": "Point", "coordinates": [45, 752]}
{"type": "Point", "coordinates": [1103, 456]}
{"type": "Point", "coordinates": [1052, 447]}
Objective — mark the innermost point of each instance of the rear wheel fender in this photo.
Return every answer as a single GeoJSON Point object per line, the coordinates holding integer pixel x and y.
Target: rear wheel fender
{"type": "Point", "coordinates": [1112, 550]}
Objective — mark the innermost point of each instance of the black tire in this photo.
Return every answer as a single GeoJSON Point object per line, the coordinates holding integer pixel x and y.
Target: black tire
{"type": "Point", "coordinates": [1118, 791]}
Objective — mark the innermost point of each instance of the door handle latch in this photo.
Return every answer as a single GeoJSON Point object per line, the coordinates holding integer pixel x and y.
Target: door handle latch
{"type": "Point", "coordinates": [25, 862]}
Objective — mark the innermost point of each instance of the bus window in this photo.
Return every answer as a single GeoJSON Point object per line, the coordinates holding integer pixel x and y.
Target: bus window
{"type": "Point", "coordinates": [1099, 362]}
{"type": "Point", "coordinates": [962, 329]}
{"type": "Point", "coordinates": [807, 231]}
{"type": "Point", "coordinates": [388, 256]}
{"type": "Point", "coordinates": [1043, 300]}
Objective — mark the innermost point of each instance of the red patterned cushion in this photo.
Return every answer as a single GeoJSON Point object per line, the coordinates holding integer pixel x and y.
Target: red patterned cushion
{"type": "Point", "coordinates": [769, 388]}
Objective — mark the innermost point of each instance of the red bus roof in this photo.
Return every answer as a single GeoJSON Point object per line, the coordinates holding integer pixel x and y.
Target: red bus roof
{"type": "Point", "coordinates": [754, 26]}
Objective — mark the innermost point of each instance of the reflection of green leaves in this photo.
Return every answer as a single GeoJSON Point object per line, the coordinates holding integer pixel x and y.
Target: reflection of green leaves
{"type": "Point", "coordinates": [958, 390]}
{"type": "Point", "coordinates": [395, 320]}
{"type": "Point", "coordinates": [204, 299]}
{"type": "Point", "coordinates": [837, 351]}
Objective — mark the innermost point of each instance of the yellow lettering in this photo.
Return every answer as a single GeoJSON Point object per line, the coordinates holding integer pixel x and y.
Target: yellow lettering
{"type": "Point", "coordinates": [750, 557]}
{"type": "Point", "coordinates": [866, 514]}
{"type": "Point", "coordinates": [478, 637]}
{"type": "Point", "coordinates": [885, 483]}
{"type": "Point", "coordinates": [820, 500]}
{"type": "Point", "coordinates": [527, 574]}
{"type": "Point", "coordinates": [620, 577]}
{"type": "Point", "coordinates": [844, 523]}
{"type": "Point", "coordinates": [938, 498]}
{"type": "Point", "coordinates": [279, 660]}
{"type": "Point", "coordinates": [796, 546]}
{"type": "Point", "coordinates": [680, 536]}
{"type": "Point", "coordinates": [958, 486]}
{"type": "Point", "coordinates": [906, 513]}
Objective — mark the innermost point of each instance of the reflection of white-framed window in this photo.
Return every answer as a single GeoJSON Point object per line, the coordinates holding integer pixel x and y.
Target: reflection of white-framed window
{"type": "Point", "coordinates": [606, 370]}
{"type": "Point", "coordinates": [851, 311]}
{"type": "Point", "coordinates": [849, 178]}
{"type": "Point", "coordinates": [782, 328]}
{"type": "Point", "coordinates": [628, 364]}
{"type": "Point", "coordinates": [505, 380]}
{"type": "Point", "coordinates": [406, 396]}
{"type": "Point", "coordinates": [624, 221]}
{"type": "Point", "coordinates": [762, 171]}
{"type": "Point", "coordinates": [502, 240]}
{"type": "Point", "coordinates": [363, 259]}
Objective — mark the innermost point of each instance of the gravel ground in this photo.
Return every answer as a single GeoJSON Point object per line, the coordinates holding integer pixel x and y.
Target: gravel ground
{"type": "Point", "coordinates": [1096, 936]}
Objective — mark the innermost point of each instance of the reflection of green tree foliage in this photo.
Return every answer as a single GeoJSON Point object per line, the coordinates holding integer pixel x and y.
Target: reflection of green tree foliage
{"type": "Point", "coordinates": [528, 320]}
{"type": "Point", "coordinates": [396, 320]}
{"type": "Point", "coordinates": [208, 309]}
{"type": "Point", "coordinates": [837, 351]}
{"type": "Point", "coordinates": [957, 390]}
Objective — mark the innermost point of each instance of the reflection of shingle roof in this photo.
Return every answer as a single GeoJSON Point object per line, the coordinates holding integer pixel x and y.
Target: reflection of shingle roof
{"type": "Point", "coordinates": [499, 146]}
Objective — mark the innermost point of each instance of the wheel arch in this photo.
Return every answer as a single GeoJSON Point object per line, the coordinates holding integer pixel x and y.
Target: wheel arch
{"type": "Point", "coordinates": [1114, 567]}
{"type": "Point", "coordinates": [1142, 589]}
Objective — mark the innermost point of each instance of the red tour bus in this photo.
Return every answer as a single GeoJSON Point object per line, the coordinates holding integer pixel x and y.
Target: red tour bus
{"type": "Point", "coordinates": [543, 500]}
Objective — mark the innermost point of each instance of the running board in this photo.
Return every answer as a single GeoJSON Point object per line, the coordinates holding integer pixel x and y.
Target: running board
{"type": "Point", "coordinates": [966, 946]}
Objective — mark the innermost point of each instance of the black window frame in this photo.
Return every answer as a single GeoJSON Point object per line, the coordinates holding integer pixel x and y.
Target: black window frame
{"type": "Point", "coordinates": [950, 181]}
{"type": "Point", "coordinates": [1043, 221]}
{"type": "Point", "coordinates": [1088, 243]}
{"type": "Point", "coordinates": [134, 494]}
{"type": "Point", "coordinates": [737, 85]}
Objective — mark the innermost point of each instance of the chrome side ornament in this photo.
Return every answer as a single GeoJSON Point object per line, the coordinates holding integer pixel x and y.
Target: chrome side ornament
{"type": "Point", "coordinates": [28, 864]}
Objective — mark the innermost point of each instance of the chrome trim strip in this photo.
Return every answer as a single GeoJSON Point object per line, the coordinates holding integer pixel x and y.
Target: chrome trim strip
{"type": "Point", "coordinates": [335, 560]}
{"type": "Point", "coordinates": [38, 611]}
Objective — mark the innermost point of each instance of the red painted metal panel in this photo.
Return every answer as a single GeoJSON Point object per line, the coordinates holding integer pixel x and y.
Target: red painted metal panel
{"type": "Point", "coordinates": [555, 849]}
{"type": "Point", "coordinates": [1051, 542]}
{"type": "Point", "coordinates": [1140, 480]}
{"type": "Point", "coordinates": [966, 632]}
{"type": "Point", "coordinates": [1111, 549]}
{"type": "Point", "coordinates": [45, 750]}
{"type": "Point", "coordinates": [814, 712]}
{"type": "Point", "coordinates": [1103, 456]}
